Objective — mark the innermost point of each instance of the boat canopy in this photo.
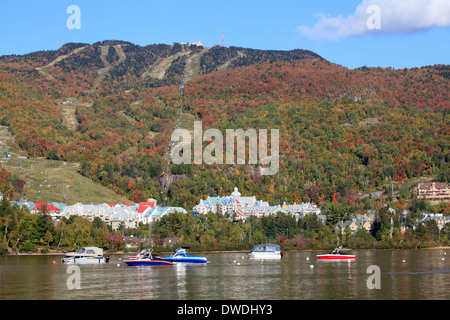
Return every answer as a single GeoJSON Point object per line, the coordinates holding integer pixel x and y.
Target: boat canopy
{"type": "Point", "coordinates": [266, 247]}
{"type": "Point", "coordinates": [87, 252]}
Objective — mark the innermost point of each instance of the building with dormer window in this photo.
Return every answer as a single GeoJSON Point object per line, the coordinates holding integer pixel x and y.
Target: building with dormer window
{"type": "Point", "coordinates": [433, 191]}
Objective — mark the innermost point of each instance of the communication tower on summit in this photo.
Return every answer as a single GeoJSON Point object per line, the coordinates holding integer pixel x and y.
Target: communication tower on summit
{"type": "Point", "coordinates": [223, 39]}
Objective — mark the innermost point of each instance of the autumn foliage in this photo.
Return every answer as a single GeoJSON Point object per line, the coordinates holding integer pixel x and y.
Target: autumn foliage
{"type": "Point", "coordinates": [343, 132]}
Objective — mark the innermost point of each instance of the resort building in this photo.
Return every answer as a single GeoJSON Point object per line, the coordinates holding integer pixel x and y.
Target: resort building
{"type": "Point", "coordinates": [52, 208]}
{"type": "Point", "coordinates": [158, 212]}
{"type": "Point", "coordinates": [433, 191]}
{"type": "Point", "coordinates": [226, 205]}
{"type": "Point", "coordinates": [440, 219]}
{"type": "Point", "coordinates": [143, 209]}
{"type": "Point", "coordinates": [117, 215]}
{"type": "Point", "coordinates": [128, 215]}
{"type": "Point", "coordinates": [239, 207]}
{"type": "Point", "coordinates": [111, 214]}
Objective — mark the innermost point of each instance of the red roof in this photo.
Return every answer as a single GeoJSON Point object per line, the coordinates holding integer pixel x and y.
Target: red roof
{"type": "Point", "coordinates": [50, 207]}
{"type": "Point", "coordinates": [144, 205]}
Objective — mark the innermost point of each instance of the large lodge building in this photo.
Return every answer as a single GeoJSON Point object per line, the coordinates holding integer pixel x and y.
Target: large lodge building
{"type": "Point", "coordinates": [433, 191]}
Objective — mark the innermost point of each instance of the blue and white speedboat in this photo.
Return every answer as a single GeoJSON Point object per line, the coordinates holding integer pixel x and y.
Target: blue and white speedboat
{"type": "Point", "coordinates": [180, 256]}
{"type": "Point", "coordinates": [266, 251]}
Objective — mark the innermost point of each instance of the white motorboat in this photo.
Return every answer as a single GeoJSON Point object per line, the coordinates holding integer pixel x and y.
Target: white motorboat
{"type": "Point", "coordinates": [86, 255]}
{"type": "Point", "coordinates": [266, 251]}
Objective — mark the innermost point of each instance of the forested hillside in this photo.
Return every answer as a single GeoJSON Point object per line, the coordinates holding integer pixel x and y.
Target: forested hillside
{"type": "Point", "coordinates": [112, 107]}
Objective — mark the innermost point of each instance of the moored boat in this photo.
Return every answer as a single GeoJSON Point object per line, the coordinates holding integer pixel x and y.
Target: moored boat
{"type": "Point", "coordinates": [146, 258]}
{"type": "Point", "coordinates": [336, 255]}
{"type": "Point", "coordinates": [180, 256]}
{"type": "Point", "coordinates": [86, 255]}
{"type": "Point", "coordinates": [266, 251]}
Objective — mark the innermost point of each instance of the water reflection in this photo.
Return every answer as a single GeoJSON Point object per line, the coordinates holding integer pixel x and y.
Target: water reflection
{"type": "Point", "coordinates": [405, 274]}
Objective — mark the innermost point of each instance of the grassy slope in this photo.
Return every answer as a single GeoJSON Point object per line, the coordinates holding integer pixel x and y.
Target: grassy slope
{"type": "Point", "coordinates": [58, 181]}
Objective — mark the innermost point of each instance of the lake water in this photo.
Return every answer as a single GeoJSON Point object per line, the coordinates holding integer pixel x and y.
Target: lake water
{"type": "Point", "coordinates": [404, 275]}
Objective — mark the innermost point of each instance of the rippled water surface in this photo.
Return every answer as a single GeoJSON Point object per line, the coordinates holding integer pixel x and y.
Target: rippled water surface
{"type": "Point", "coordinates": [404, 275]}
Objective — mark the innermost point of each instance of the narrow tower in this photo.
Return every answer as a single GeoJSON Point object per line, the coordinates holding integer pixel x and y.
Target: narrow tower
{"type": "Point", "coordinates": [223, 39]}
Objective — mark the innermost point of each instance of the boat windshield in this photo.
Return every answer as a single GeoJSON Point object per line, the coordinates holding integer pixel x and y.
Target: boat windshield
{"type": "Point", "coordinates": [336, 251]}
{"type": "Point", "coordinates": [265, 248]}
{"type": "Point", "coordinates": [82, 250]}
{"type": "Point", "coordinates": [145, 254]}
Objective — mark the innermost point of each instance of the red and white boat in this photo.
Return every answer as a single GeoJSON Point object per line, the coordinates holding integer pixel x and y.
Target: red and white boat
{"type": "Point", "coordinates": [336, 255]}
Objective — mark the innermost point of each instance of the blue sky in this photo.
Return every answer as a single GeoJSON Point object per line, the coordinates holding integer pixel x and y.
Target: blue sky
{"type": "Point", "coordinates": [410, 33]}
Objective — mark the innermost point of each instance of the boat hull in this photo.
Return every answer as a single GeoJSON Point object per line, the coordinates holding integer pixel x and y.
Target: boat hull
{"type": "Point", "coordinates": [187, 260]}
{"type": "Point", "coordinates": [266, 251]}
{"type": "Point", "coordinates": [147, 263]}
{"type": "Point", "coordinates": [265, 256]}
{"type": "Point", "coordinates": [336, 257]}
{"type": "Point", "coordinates": [180, 256]}
{"type": "Point", "coordinates": [72, 260]}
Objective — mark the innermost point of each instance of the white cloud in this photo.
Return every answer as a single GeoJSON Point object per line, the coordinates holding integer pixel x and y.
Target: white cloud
{"type": "Point", "coordinates": [395, 16]}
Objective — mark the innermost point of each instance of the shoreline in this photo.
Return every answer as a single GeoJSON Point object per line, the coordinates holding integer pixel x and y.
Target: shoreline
{"type": "Point", "coordinates": [229, 251]}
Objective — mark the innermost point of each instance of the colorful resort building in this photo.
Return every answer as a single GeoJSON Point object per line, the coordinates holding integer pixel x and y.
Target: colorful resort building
{"type": "Point", "coordinates": [118, 215]}
{"type": "Point", "coordinates": [240, 208]}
